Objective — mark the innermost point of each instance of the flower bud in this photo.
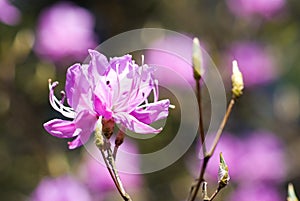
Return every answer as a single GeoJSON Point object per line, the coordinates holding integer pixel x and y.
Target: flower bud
{"type": "Point", "coordinates": [197, 59]}
{"type": "Point", "coordinates": [291, 193]}
{"type": "Point", "coordinates": [237, 80]}
{"type": "Point", "coordinates": [223, 175]}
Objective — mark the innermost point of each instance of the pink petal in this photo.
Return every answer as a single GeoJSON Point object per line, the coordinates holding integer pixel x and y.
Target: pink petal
{"type": "Point", "coordinates": [78, 89]}
{"type": "Point", "coordinates": [133, 124]}
{"type": "Point", "coordinates": [153, 112]}
{"type": "Point", "coordinates": [85, 125]}
{"type": "Point", "coordinates": [72, 77]}
{"type": "Point", "coordinates": [122, 63]}
{"type": "Point", "coordinates": [101, 109]}
{"type": "Point", "coordinates": [60, 128]}
{"type": "Point", "coordinates": [98, 64]}
{"type": "Point", "coordinates": [77, 142]}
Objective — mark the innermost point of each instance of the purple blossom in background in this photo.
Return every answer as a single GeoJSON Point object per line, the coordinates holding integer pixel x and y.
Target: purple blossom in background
{"type": "Point", "coordinates": [97, 178]}
{"type": "Point", "coordinates": [232, 150]}
{"type": "Point", "coordinates": [64, 188]}
{"type": "Point", "coordinates": [263, 159]}
{"type": "Point", "coordinates": [117, 89]}
{"type": "Point", "coordinates": [257, 157]}
{"type": "Point", "coordinates": [175, 53]}
{"type": "Point", "coordinates": [248, 8]}
{"type": "Point", "coordinates": [65, 31]}
{"type": "Point", "coordinates": [256, 191]}
{"type": "Point", "coordinates": [255, 62]}
{"type": "Point", "coordinates": [9, 14]}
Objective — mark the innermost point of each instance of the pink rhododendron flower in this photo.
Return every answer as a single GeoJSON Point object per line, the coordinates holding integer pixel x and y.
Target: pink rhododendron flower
{"type": "Point", "coordinates": [173, 54]}
{"type": "Point", "coordinates": [263, 159]}
{"type": "Point", "coordinates": [116, 89]}
{"type": "Point", "coordinates": [257, 191]}
{"type": "Point", "coordinates": [8, 13]}
{"type": "Point", "coordinates": [64, 188]}
{"type": "Point", "coordinates": [248, 8]}
{"type": "Point", "coordinates": [64, 31]}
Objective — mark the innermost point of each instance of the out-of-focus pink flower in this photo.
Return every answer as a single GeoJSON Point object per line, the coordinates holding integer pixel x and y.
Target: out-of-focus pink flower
{"type": "Point", "coordinates": [8, 13]}
{"type": "Point", "coordinates": [255, 62]}
{"type": "Point", "coordinates": [65, 31]}
{"type": "Point", "coordinates": [64, 188]}
{"type": "Point", "coordinates": [172, 53]}
{"type": "Point", "coordinates": [96, 175]}
{"type": "Point", "coordinates": [248, 8]}
{"type": "Point", "coordinates": [117, 89]}
{"type": "Point", "coordinates": [256, 191]}
{"type": "Point", "coordinates": [263, 158]}
{"type": "Point", "coordinates": [232, 150]}
{"type": "Point", "coordinates": [259, 156]}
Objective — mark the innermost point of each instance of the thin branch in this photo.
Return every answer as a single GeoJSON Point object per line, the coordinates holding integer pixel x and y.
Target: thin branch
{"type": "Point", "coordinates": [215, 193]}
{"type": "Point", "coordinates": [194, 193]}
{"type": "Point", "coordinates": [111, 160]}
{"type": "Point", "coordinates": [220, 131]}
{"type": "Point", "coordinates": [103, 145]}
{"type": "Point", "coordinates": [201, 127]}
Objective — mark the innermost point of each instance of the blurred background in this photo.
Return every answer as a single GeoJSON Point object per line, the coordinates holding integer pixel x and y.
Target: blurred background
{"type": "Point", "coordinates": [261, 142]}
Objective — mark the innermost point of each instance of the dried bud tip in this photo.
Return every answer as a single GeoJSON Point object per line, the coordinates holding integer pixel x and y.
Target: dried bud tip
{"type": "Point", "coordinates": [237, 80]}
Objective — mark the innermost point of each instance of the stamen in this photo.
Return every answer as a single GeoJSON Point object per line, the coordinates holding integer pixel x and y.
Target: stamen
{"type": "Point", "coordinates": [63, 97]}
{"type": "Point", "coordinates": [57, 104]}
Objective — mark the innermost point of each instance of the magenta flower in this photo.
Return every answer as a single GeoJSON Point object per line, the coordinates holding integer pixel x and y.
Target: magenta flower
{"type": "Point", "coordinates": [256, 191]}
{"type": "Point", "coordinates": [64, 31]}
{"type": "Point", "coordinates": [263, 159]}
{"type": "Point", "coordinates": [256, 62]}
{"type": "Point", "coordinates": [117, 89]}
{"type": "Point", "coordinates": [249, 8]}
{"type": "Point", "coordinates": [63, 188]}
{"type": "Point", "coordinates": [9, 14]}
{"type": "Point", "coordinates": [172, 54]}
{"type": "Point", "coordinates": [232, 150]}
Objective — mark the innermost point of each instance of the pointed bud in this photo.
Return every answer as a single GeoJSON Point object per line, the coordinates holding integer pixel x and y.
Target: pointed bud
{"type": "Point", "coordinates": [223, 175]}
{"type": "Point", "coordinates": [291, 193]}
{"type": "Point", "coordinates": [197, 59]}
{"type": "Point", "coordinates": [237, 80]}
{"type": "Point", "coordinates": [120, 138]}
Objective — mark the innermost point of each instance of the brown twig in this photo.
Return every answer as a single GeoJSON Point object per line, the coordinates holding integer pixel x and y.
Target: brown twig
{"type": "Point", "coordinates": [215, 193]}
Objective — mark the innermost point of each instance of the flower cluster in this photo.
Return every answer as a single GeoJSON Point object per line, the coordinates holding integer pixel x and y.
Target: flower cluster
{"type": "Point", "coordinates": [115, 90]}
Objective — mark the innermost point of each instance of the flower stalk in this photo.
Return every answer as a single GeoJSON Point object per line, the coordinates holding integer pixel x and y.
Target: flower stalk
{"type": "Point", "coordinates": [103, 145]}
